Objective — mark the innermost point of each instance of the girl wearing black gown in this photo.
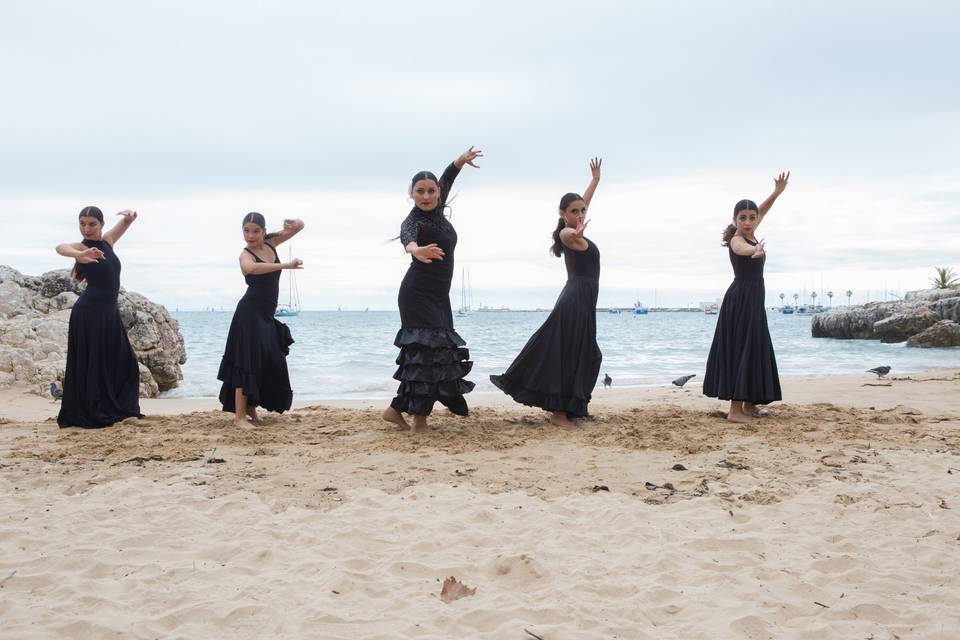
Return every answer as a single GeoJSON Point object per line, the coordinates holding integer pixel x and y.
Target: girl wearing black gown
{"type": "Point", "coordinates": [741, 366]}
{"type": "Point", "coordinates": [254, 364]}
{"type": "Point", "coordinates": [558, 367]}
{"type": "Point", "coordinates": [101, 383]}
{"type": "Point", "coordinates": [433, 359]}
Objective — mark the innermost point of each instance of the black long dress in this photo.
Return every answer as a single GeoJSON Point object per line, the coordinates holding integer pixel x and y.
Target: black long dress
{"type": "Point", "coordinates": [101, 384]}
{"type": "Point", "coordinates": [433, 358]}
{"type": "Point", "coordinates": [558, 367]}
{"type": "Point", "coordinates": [741, 364]}
{"type": "Point", "coordinates": [257, 345]}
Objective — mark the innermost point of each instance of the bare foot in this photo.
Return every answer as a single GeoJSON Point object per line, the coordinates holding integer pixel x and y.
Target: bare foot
{"type": "Point", "coordinates": [244, 424]}
{"type": "Point", "coordinates": [739, 417]}
{"type": "Point", "coordinates": [751, 409]}
{"type": "Point", "coordinates": [392, 415]}
{"type": "Point", "coordinates": [560, 419]}
{"type": "Point", "coordinates": [419, 424]}
{"type": "Point", "coordinates": [252, 414]}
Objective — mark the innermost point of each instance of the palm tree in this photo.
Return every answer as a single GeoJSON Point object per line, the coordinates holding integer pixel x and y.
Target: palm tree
{"type": "Point", "coordinates": [796, 299]}
{"type": "Point", "coordinates": [849, 294]}
{"type": "Point", "coordinates": [813, 300]}
{"type": "Point", "coordinates": [830, 295]}
{"type": "Point", "coordinates": [945, 278]}
{"type": "Point", "coordinates": [781, 299]}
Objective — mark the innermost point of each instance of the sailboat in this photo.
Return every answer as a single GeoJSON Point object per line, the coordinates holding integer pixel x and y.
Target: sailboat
{"type": "Point", "coordinates": [292, 306]}
{"type": "Point", "coordinates": [466, 294]}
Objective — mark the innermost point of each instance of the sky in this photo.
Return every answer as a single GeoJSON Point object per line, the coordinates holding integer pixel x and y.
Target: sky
{"type": "Point", "coordinates": [194, 113]}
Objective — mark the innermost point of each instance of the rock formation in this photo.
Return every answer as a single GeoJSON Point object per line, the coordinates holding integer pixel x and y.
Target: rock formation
{"type": "Point", "coordinates": [945, 333]}
{"type": "Point", "coordinates": [922, 319]}
{"type": "Point", "coordinates": [35, 315]}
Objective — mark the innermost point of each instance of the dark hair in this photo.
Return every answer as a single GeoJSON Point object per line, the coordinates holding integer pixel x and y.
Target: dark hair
{"type": "Point", "coordinates": [91, 212]}
{"type": "Point", "coordinates": [731, 230]}
{"type": "Point", "coordinates": [423, 175]}
{"type": "Point", "coordinates": [86, 212]}
{"type": "Point", "coordinates": [260, 221]}
{"type": "Point", "coordinates": [557, 247]}
{"type": "Point", "coordinates": [429, 175]}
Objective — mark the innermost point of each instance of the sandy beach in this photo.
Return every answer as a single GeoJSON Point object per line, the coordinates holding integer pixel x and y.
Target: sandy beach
{"type": "Point", "coordinates": [834, 517]}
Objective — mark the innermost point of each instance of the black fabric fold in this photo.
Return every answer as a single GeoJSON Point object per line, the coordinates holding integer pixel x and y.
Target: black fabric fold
{"type": "Point", "coordinates": [254, 358]}
{"type": "Point", "coordinates": [742, 364]}
{"type": "Point", "coordinates": [573, 407]}
{"type": "Point", "coordinates": [558, 367]}
{"type": "Point", "coordinates": [101, 382]}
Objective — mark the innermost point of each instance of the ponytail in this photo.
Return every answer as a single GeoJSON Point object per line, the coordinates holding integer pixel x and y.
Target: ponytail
{"type": "Point", "coordinates": [565, 201]}
{"type": "Point", "coordinates": [728, 234]}
{"type": "Point", "coordinates": [557, 247]}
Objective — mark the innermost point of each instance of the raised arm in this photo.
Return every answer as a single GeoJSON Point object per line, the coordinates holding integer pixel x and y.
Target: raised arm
{"type": "Point", "coordinates": [126, 219]}
{"type": "Point", "coordinates": [779, 184]}
{"type": "Point", "coordinates": [291, 228]}
{"type": "Point", "coordinates": [250, 267]}
{"type": "Point", "coordinates": [453, 170]}
{"type": "Point", "coordinates": [79, 252]}
{"type": "Point", "coordinates": [594, 181]}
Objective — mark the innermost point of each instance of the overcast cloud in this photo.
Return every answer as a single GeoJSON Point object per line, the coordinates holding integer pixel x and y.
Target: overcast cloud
{"type": "Point", "coordinates": [197, 112]}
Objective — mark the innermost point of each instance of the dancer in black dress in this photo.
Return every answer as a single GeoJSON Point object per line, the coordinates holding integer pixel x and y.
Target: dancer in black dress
{"type": "Point", "coordinates": [101, 384]}
{"type": "Point", "coordinates": [433, 359]}
{"type": "Point", "coordinates": [558, 367]}
{"type": "Point", "coordinates": [254, 364]}
{"type": "Point", "coordinates": [742, 367]}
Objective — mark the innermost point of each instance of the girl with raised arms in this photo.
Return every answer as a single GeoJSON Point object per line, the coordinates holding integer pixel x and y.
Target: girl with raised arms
{"type": "Point", "coordinates": [742, 367]}
{"type": "Point", "coordinates": [433, 359]}
{"type": "Point", "coordinates": [101, 383]}
{"type": "Point", "coordinates": [558, 367]}
{"type": "Point", "coordinates": [254, 365]}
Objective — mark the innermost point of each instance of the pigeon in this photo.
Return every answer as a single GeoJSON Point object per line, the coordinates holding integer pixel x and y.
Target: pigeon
{"type": "Point", "coordinates": [607, 380]}
{"type": "Point", "coordinates": [682, 380]}
{"type": "Point", "coordinates": [55, 392]}
{"type": "Point", "coordinates": [880, 371]}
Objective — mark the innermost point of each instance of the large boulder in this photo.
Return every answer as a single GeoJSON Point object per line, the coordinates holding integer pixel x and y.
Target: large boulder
{"type": "Point", "coordinates": [945, 333]}
{"type": "Point", "coordinates": [850, 322]}
{"type": "Point", "coordinates": [35, 314]}
{"type": "Point", "coordinates": [902, 325]}
{"type": "Point", "coordinates": [893, 321]}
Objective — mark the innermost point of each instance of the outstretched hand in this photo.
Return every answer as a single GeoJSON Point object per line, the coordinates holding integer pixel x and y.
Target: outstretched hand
{"type": "Point", "coordinates": [467, 157]}
{"type": "Point", "coordinates": [90, 256]}
{"type": "Point", "coordinates": [760, 250]}
{"type": "Point", "coordinates": [296, 263]}
{"type": "Point", "coordinates": [428, 253]}
{"type": "Point", "coordinates": [780, 182]}
{"type": "Point", "coordinates": [580, 228]}
{"type": "Point", "coordinates": [291, 224]}
{"type": "Point", "coordinates": [595, 167]}
{"type": "Point", "coordinates": [128, 215]}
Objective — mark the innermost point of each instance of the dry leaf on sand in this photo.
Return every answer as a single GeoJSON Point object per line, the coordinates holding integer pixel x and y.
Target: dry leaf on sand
{"type": "Point", "coordinates": [453, 589]}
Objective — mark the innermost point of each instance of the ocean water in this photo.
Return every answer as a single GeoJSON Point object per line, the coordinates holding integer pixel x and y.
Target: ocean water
{"type": "Point", "coordinates": [350, 354]}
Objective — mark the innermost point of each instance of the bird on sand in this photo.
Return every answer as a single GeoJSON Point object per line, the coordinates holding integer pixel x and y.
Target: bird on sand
{"type": "Point", "coordinates": [607, 380]}
{"type": "Point", "coordinates": [880, 371]}
{"type": "Point", "coordinates": [682, 380]}
{"type": "Point", "coordinates": [55, 392]}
